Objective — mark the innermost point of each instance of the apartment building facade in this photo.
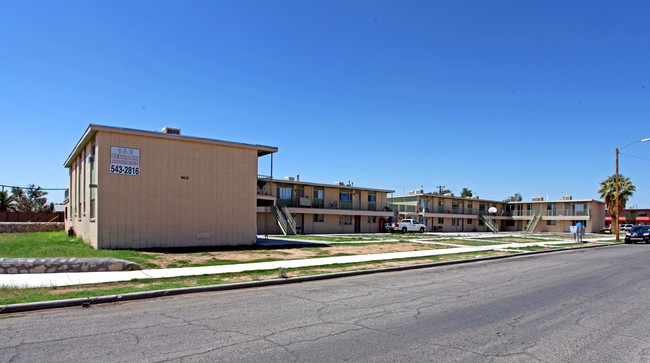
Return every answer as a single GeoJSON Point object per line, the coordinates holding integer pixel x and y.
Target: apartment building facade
{"type": "Point", "coordinates": [290, 206]}
{"type": "Point", "coordinates": [457, 214]}
{"type": "Point", "coordinates": [142, 189]}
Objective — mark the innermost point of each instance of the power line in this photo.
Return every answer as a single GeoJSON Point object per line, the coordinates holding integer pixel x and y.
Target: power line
{"type": "Point", "coordinates": [633, 156]}
{"type": "Point", "coordinates": [28, 188]}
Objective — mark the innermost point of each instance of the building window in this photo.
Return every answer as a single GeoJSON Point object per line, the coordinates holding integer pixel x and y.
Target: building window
{"type": "Point", "coordinates": [455, 221]}
{"type": "Point", "coordinates": [372, 219]}
{"type": "Point", "coordinates": [551, 222]}
{"type": "Point", "coordinates": [510, 223]}
{"type": "Point", "coordinates": [92, 209]}
{"type": "Point", "coordinates": [480, 222]}
{"type": "Point", "coordinates": [345, 220]}
{"type": "Point", "coordinates": [551, 210]}
{"type": "Point", "coordinates": [481, 207]}
{"type": "Point", "coordinates": [285, 193]}
{"type": "Point", "coordinates": [441, 221]}
{"type": "Point", "coordinates": [441, 203]}
{"type": "Point", "coordinates": [319, 217]}
{"type": "Point", "coordinates": [93, 180]}
{"type": "Point", "coordinates": [454, 204]}
{"type": "Point", "coordinates": [372, 198]}
{"type": "Point", "coordinates": [469, 221]}
{"type": "Point", "coordinates": [318, 194]}
{"type": "Point", "coordinates": [83, 182]}
{"type": "Point", "coordinates": [469, 205]}
{"type": "Point", "coordinates": [345, 197]}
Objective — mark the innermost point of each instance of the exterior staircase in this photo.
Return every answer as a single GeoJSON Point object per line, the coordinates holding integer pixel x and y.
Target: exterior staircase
{"type": "Point", "coordinates": [290, 221]}
{"type": "Point", "coordinates": [281, 219]}
{"type": "Point", "coordinates": [532, 224]}
{"type": "Point", "coordinates": [493, 227]}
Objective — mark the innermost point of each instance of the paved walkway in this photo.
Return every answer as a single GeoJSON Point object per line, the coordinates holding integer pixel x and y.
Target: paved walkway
{"type": "Point", "coordinates": [79, 278]}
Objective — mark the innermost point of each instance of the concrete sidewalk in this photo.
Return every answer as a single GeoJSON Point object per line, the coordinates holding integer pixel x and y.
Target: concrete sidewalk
{"type": "Point", "coordinates": [80, 278]}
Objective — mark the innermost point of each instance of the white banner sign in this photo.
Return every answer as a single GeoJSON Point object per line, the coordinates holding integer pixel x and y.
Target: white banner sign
{"type": "Point", "coordinates": [125, 161]}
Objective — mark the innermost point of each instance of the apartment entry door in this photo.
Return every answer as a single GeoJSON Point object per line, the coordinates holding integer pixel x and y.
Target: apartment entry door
{"type": "Point", "coordinates": [357, 224]}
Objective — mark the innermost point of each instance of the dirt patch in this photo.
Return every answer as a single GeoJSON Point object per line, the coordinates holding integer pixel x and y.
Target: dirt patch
{"type": "Point", "coordinates": [165, 260]}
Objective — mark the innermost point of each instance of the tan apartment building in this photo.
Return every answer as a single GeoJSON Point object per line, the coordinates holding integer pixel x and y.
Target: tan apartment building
{"type": "Point", "coordinates": [142, 189]}
{"type": "Point", "coordinates": [458, 214]}
{"type": "Point", "coordinates": [290, 206]}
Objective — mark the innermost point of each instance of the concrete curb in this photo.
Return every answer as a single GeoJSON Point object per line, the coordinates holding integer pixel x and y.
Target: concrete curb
{"type": "Point", "coordinates": [86, 302]}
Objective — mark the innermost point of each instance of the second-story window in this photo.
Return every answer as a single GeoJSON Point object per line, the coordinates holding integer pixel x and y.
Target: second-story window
{"type": "Point", "coordinates": [318, 194]}
{"type": "Point", "coordinates": [372, 198]}
{"type": "Point", "coordinates": [345, 197]}
{"type": "Point", "coordinates": [481, 207]}
{"type": "Point", "coordinates": [285, 193]}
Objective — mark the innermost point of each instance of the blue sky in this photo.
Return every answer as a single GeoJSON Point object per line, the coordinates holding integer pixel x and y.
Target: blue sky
{"type": "Point", "coordinates": [499, 97]}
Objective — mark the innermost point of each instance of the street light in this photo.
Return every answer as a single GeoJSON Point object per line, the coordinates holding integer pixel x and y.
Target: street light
{"type": "Point", "coordinates": [617, 210]}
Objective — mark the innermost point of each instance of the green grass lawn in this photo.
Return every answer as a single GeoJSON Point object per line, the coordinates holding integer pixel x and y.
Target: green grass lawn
{"type": "Point", "coordinates": [58, 244]}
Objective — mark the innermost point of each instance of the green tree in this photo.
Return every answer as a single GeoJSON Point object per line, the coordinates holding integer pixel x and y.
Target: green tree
{"type": "Point", "coordinates": [31, 201]}
{"type": "Point", "coordinates": [7, 201]}
{"type": "Point", "coordinates": [466, 193]}
{"type": "Point", "coordinates": [631, 218]}
{"type": "Point", "coordinates": [608, 193]}
{"type": "Point", "coordinates": [514, 198]}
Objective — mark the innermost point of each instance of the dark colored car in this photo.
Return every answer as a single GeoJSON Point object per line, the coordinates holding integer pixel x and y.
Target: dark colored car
{"type": "Point", "coordinates": [638, 234]}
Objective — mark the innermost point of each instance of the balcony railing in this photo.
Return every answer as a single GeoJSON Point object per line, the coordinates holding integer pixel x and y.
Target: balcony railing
{"type": "Point", "coordinates": [507, 213]}
{"type": "Point", "coordinates": [318, 203]}
{"type": "Point", "coordinates": [567, 212]}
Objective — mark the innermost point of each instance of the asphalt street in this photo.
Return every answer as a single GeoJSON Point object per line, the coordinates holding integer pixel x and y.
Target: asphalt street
{"type": "Point", "coordinates": [579, 306]}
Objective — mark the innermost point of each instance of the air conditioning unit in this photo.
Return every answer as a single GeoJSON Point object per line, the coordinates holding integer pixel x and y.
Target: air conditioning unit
{"type": "Point", "coordinates": [170, 130]}
{"type": "Point", "coordinates": [448, 195]}
{"type": "Point", "coordinates": [538, 199]}
{"type": "Point", "coordinates": [339, 183]}
{"type": "Point", "coordinates": [567, 197]}
{"type": "Point", "coordinates": [289, 178]}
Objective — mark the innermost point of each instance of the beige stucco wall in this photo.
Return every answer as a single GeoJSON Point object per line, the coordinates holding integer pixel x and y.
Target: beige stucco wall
{"type": "Point", "coordinates": [266, 224]}
{"type": "Point", "coordinates": [214, 206]}
{"type": "Point", "coordinates": [78, 216]}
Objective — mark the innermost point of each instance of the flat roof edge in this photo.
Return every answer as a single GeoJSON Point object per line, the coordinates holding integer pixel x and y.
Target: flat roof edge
{"type": "Point", "coordinates": [93, 128]}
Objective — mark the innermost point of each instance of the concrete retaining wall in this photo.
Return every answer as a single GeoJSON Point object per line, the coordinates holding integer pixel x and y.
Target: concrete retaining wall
{"type": "Point", "coordinates": [22, 227]}
{"type": "Point", "coordinates": [63, 264]}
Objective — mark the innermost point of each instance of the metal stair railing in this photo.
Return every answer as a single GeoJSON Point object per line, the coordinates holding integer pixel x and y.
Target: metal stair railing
{"type": "Point", "coordinates": [530, 222]}
{"type": "Point", "coordinates": [279, 217]}
{"type": "Point", "coordinates": [489, 224]}
{"type": "Point", "coordinates": [535, 222]}
{"type": "Point", "coordinates": [290, 220]}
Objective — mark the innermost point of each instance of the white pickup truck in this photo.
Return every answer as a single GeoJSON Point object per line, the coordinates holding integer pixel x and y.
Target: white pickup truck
{"type": "Point", "coordinates": [407, 225]}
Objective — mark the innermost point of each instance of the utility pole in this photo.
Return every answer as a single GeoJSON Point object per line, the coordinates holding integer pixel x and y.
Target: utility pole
{"type": "Point", "coordinates": [440, 189]}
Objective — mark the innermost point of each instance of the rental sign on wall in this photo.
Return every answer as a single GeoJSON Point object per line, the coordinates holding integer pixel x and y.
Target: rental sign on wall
{"type": "Point", "coordinates": [125, 161]}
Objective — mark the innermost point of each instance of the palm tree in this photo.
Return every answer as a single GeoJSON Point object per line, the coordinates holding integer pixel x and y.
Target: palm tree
{"type": "Point", "coordinates": [608, 193]}
{"type": "Point", "coordinates": [7, 201]}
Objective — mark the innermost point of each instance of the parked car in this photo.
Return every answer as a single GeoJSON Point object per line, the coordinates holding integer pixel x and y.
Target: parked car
{"type": "Point", "coordinates": [638, 234]}
{"type": "Point", "coordinates": [407, 225]}
{"type": "Point", "coordinates": [626, 227]}
{"type": "Point", "coordinates": [606, 229]}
